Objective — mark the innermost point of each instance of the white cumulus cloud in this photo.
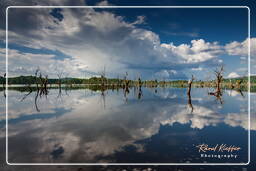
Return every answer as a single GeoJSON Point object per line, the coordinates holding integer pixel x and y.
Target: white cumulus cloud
{"type": "Point", "coordinates": [233, 75]}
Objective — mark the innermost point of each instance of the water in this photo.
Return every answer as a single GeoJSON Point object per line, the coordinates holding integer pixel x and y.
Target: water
{"type": "Point", "coordinates": [158, 126]}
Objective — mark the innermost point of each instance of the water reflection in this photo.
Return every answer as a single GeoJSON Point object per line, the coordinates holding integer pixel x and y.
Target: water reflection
{"type": "Point", "coordinates": [77, 127]}
{"type": "Point", "coordinates": [190, 103]}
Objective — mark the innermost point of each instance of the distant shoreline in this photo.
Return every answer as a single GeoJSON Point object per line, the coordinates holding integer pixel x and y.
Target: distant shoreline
{"type": "Point", "coordinates": [25, 80]}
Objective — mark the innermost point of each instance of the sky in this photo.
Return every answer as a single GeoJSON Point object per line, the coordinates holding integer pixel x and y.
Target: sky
{"type": "Point", "coordinates": [150, 43]}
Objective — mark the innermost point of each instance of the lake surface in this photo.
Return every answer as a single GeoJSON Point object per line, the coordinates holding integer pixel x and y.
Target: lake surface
{"type": "Point", "coordinates": [156, 125]}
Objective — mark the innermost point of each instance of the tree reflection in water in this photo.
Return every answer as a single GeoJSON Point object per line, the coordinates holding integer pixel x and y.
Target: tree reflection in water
{"type": "Point", "coordinates": [77, 124]}
{"type": "Point", "coordinates": [138, 93]}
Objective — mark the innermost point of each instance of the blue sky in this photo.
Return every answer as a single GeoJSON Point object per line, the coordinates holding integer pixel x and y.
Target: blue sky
{"type": "Point", "coordinates": [180, 25]}
{"type": "Point", "coordinates": [150, 43]}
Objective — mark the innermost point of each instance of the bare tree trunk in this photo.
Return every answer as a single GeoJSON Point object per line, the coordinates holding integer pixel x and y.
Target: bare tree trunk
{"type": "Point", "coordinates": [126, 86]}
{"type": "Point", "coordinates": [60, 78]}
{"type": "Point", "coordinates": [140, 91]}
{"type": "Point", "coordinates": [45, 85]}
{"type": "Point", "coordinates": [238, 84]}
{"type": "Point", "coordinates": [219, 76]}
{"type": "Point", "coordinates": [218, 81]}
{"type": "Point", "coordinates": [36, 74]}
{"type": "Point", "coordinates": [126, 83]}
{"type": "Point", "coordinates": [103, 77]}
{"type": "Point", "coordinates": [139, 82]}
{"type": "Point", "coordinates": [4, 82]}
{"type": "Point", "coordinates": [190, 85]}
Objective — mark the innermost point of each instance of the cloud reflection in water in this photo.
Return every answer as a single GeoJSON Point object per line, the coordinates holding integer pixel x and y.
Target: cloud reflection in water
{"type": "Point", "coordinates": [88, 132]}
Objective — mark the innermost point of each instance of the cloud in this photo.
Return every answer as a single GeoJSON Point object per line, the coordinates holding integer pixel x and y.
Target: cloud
{"type": "Point", "coordinates": [101, 38]}
{"type": "Point", "coordinates": [233, 75]}
{"type": "Point", "coordinates": [241, 48]}
{"type": "Point", "coordinates": [24, 63]}
{"type": "Point", "coordinates": [95, 39]}
{"type": "Point", "coordinates": [198, 51]}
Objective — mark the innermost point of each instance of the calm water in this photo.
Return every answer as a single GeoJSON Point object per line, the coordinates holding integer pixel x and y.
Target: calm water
{"type": "Point", "coordinates": [159, 125]}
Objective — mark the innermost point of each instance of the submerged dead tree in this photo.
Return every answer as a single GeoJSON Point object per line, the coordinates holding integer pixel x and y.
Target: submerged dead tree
{"type": "Point", "coordinates": [126, 83]}
{"type": "Point", "coordinates": [44, 82]}
{"type": "Point", "coordinates": [218, 80]}
{"type": "Point", "coordinates": [156, 84]}
{"type": "Point", "coordinates": [231, 84]}
{"type": "Point", "coordinates": [190, 82]}
{"type": "Point", "coordinates": [139, 83]}
{"type": "Point", "coordinates": [140, 91]}
{"type": "Point", "coordinates": [238, 84]}
{"type": "Point", "coordinates": [41, 85]}
{"type": "Point", "coordinates": [36, 79]}
{"type": "Point", "coordinates": [5, 79]}
{"type": "Point", "coordinates": [118, 82]}
{"type": "Point", "coordinates": [40, 81]}
{"type": "Point", "coordinates": [59, 79]}
{"type": "Point", "coordinates": [4, 82]}
{"type": "Point", "coordinates": [103, 77]}
{"type": "Point", "coordinates": [59, 75]}
{"type": "Point", "coordinates": [190, 85]}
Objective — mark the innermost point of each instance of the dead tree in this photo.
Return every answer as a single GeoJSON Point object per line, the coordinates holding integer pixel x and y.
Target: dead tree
{"type": "Point", "coordinates": [59, 82]}
{"type": "Point", "coordinates": [140, 91]}
{"type": "Point", "coordinates": [231, 85]}
{"type": "Point", "coordinates": [190, 82]}
{"type": "Point", "coordinates": [36, 75]}
{"type": "Point", "coordinates": [103, 77]}
{"type": "Point", "coordinates": [4, 80]}
{"type": "Point", "coordinates": [45, 82]}
{"type": "Point", "coordinates": [118, 82]}
{"type": "Point", "coordinates": [155, 85]}
{"type": "Point", "coordinates": [41, 84]}
{"type": "Point", "coordinates": [190, 85]}
{"type": "Point", "coordinates": [59, 79]}
{"type": "Point", "coordinates": [126, 83]}
{"type": "Point", "coordinates": [238, 84]}
{"type": "Point", "coordinates": [219, 77]}
{"type": "Point", "coordinates": [163, 83]}
{"type": "Point", "coordinates": [59, 75]}
{"type": "Point", "coordinates": [139, 83]}
{"type": "Point", "coordinates": [139, 94]}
